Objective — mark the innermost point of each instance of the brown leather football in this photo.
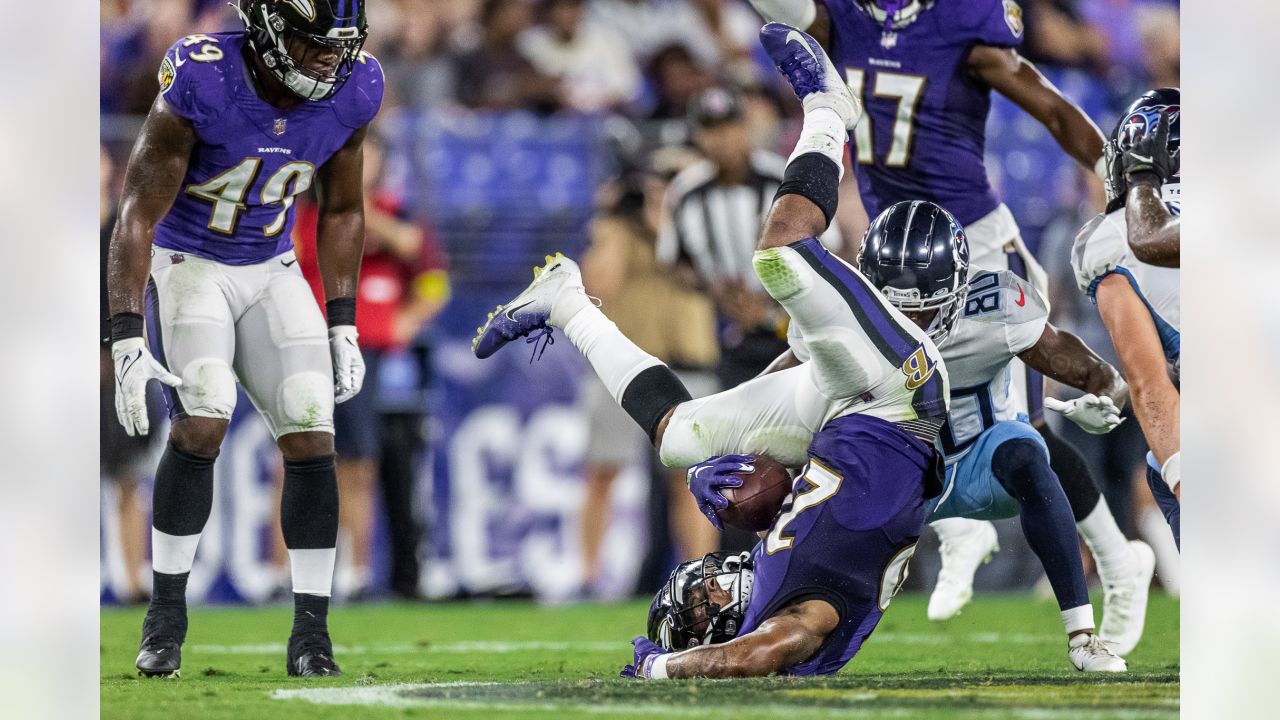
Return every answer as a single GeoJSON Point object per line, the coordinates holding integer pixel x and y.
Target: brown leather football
{"type": "Point", "coordinates": [753, 505]}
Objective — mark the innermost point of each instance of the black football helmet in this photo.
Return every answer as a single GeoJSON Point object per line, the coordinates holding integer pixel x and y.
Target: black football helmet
{"type": "Point", "coordinates": [1139, 119]}
{"type": "Point", "coordinates": [918, 256]}
{"type": "Point", "coordinates": [683, 615]}
{"type": "Point", "coordinates": [327, 26]}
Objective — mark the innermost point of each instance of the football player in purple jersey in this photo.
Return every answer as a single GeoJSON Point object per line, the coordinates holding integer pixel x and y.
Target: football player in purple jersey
{"type": "Point", "coordinates": [924, 70]}
{"type": "Point", "coordinates": [244, 122]}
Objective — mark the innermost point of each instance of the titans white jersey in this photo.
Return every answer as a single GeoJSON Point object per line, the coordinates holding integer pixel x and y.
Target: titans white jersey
{"type": "Point", "coordinates": [1003, 316]}
{"type": "Point", "coordinates": [1102, 249]}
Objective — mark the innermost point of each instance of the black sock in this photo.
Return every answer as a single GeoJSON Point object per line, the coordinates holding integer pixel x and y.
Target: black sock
{"type": "Point", "coordinates": [310, 613]}
{"type": "Point", "coordinates": [1073, 472]}
{"type": "Point", "coordinates": [169, 590]}
{"type": "Point", "coordinates": [309, 504]}
{"type": "Point", "coordinates": [1020, 467]}
{"type": "Point", "coordinates": [183, 494]}
{"type": "Point", "coordinates": [651, 394]}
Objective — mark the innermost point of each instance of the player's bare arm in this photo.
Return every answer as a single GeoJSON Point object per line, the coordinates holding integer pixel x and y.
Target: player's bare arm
{"type": "Point", "coordinates": [1065, 358]}
{"type": "Point", "coordinates": [1155, 399]}
{"type": "Point", "coordinates": [1155, 234]}
{"type": "Point", "coordinates": [786, 639]}
{"type": "Point", "coordinates": [1017, 79]}
{"type": "Point", "coordinates": [340, 226]}
{"type": "Point", "coordinates": [152, 180]}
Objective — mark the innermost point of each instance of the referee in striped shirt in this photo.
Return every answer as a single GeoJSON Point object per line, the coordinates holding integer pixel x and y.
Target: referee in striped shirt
{"type": "Point", "coordinates": [712, 216]}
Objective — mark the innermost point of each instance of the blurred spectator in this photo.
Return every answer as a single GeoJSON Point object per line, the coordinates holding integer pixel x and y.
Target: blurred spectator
{"type": "Point", "coordinates": [677, 79]}
{"type": "Point", "coordinates": [594, 64]}
{"type": "Point", "coordinates": [1161, 46]}
{"type": "Point", "coordinates": [1057, 34]}
{"type": "Point", "coordinates": [714, 211]}
{"type": "Point", "coordinates": [494, 74]}
{"type": "Point", "coordinates": [652, 26]}
{"type": "Point", "coordinates": [664, 318]}
{"type": "Point", "coordinates": [414, 55]}
{"type": "Point", "coordinates": [132, 50]}
{"type": "Point", "coordinates": [403, 286]}
{"type": "Point", "coordinates": [121, 458]}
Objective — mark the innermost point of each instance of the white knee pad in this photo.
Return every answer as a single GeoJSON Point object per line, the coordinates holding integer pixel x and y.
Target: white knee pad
{"type": "Point", "coordinates": [305, 404]}
{"type": "Point", "coordinates": [842, 364]}
{"type": "Point", "coordinates": [208, 388]}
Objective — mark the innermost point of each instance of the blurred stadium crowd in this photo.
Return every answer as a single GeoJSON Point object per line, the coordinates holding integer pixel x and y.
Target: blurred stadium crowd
{"type": "Point", "coordinates": [517, 127]}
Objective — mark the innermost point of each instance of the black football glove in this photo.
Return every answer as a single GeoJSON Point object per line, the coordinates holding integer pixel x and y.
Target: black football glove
{"type": "Point", "coordinates": [1148, 160]}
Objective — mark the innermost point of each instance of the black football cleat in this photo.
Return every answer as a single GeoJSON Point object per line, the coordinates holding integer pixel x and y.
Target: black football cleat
{"type": "Point", "coordinates": [163, 631]}
{"type": "Point", "coordinates": [311, 655]}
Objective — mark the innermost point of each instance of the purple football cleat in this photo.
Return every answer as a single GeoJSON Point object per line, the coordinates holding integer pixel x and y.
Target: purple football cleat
{"type": "Point", "coordinates": [806, 66]}
{"type": "Point", "coordinates": [531, 309]}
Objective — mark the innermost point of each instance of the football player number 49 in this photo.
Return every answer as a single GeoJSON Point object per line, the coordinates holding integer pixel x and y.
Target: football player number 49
{"type": "Point", "coordinates": [907, 89]}
{"type": "Point", "coordinates": [227, 192]}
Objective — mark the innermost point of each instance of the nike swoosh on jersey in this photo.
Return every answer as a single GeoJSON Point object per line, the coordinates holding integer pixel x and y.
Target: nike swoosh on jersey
{"type": "Point", "coordinates": [290, 263]}
{"type": "Point", "coordinates": [177, 59]}
{"type": "Point", "coordinates": [1022, 297]}
{"type": "Point", "coordinates": [796, 36]}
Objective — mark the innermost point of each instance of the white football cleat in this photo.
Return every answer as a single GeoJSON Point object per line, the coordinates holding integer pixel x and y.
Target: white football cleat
{"type": "Point", "coordinates": [553, 297]}
{"type": "Point", "coordinates": [1124, 602]}
{"type": "Point", "coordinates": [962, 552]}
{"type": "Point", "coordinates": [1088, 653]}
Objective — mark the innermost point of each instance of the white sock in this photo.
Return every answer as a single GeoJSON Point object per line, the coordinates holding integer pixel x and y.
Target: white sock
{"type": "Point", "coordinates": [823, 132]}
{"type": "Point", "coordinates": [950, 528]}
{"type": "Point", "coordinates": [1171, 471]}
{"type": "Point", "coordinates": [173, 554]}
{"type": "Point", "coordinates": [612, 355]}
{"type": "Point", "coordinates": [313, 571]}
{"type": "Point", "coordinates": [1078, 618]}
{"type": "Point", "coordinates": [1153, 528]}
{"type": "Point", "coordinates": [1109, 546]}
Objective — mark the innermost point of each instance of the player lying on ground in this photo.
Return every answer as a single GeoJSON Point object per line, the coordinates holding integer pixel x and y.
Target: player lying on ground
{"type": "Point", "coordinates": [997, 464]}
{"type": "Point", "coordinates": [926, 72]}
{"type": "Point", "coordinates": [1139, 302]}
{"type": "Point", "coordinates": [861, 416]}
{"type": "Point", "coordinates": [244, 122]}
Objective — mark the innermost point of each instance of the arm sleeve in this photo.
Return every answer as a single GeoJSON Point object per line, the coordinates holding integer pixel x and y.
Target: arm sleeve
{"type": "Point", "coordinates": [1099, 249]}
{"type": "Point", "coordinates": [996, 22]}
{"type": "Point", "coordinates": [1026, 313]}
{"type": "Point", "coordinates": [179, 84]}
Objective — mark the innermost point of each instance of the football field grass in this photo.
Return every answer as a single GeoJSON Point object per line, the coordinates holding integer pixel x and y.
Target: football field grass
{"type": "Point", "coordinates": [1004, 657]}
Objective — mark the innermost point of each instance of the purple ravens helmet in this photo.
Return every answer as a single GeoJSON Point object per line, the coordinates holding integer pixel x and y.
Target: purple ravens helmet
{"type": "Point", "coordinates": [327, 26]}
{"type": "Point", "coordinates": [684, 614]}
{"type": "Point", "coordinates": [917, 255]}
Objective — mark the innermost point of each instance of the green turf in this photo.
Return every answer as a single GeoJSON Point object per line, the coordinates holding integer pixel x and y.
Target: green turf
{"type": "Point", "coordinates": [1004, 657]}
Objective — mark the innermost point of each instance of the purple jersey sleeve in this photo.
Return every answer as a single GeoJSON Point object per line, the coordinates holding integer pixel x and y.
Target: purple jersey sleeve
{"type": "Point", "coordinates": [995, 22]}
{"type": "Point", "coordinates": [189, 73]}
{"type": "Point", "coordinates": [363, 96]}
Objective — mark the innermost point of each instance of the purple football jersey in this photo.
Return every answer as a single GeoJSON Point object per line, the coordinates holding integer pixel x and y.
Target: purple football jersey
{"type": "Point", "coordinates": [845, 534]}
{"type": "Point", "coordinates": [923, 134]}
{"type": "Point", "coordinates": [250, 159]}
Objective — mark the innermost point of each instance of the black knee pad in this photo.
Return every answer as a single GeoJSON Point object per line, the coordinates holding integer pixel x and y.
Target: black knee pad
{"type": "Point", "coordinates": [1021, 464]}
{"type": "Point", "coordinates": [183, 494]}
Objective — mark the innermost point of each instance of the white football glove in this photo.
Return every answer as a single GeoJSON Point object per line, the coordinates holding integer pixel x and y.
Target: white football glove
{"type": "Point", "coordinates": [134, 366]}
{"type": "Point", "coordinates": [1095, 415]}
{"type": "Point", "coordinates": [348, 363]}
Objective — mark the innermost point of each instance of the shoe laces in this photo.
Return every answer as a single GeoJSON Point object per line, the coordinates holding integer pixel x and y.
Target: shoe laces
{"type": "Point", "coordinates": [540, 342]}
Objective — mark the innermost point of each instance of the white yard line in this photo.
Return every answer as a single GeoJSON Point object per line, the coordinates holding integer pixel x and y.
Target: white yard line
{"type": "Point", "coordinates": [506, 647]}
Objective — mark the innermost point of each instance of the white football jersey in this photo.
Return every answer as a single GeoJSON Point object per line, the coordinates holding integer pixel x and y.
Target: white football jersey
{"type": "Point", "coordinates": [1003, 316]}
{"type": "Point", "coordinates": [1102, 248]}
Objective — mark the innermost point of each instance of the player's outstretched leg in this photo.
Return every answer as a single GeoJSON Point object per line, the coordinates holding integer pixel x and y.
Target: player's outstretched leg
{"type": "Point", "coordinates": [1021, 466]}
{"type": "Point", "coordinates": [1124, 566]}
{"type": "Point", "coordinates": [641, 383]}
{"type": "Point", "coordinates": [965, 545]}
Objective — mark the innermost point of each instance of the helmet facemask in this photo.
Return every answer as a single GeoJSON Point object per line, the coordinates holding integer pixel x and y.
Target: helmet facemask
{"type": "Point", "coordinates": [950, 306]}
{"type": "Point", "coordinates": [272, 36]}
{"type": "Point", "coordinates": [691, 609]}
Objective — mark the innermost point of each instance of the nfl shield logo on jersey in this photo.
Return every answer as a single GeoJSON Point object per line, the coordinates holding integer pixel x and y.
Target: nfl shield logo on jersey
{"type": "Point", "coordinates": [279, 126]}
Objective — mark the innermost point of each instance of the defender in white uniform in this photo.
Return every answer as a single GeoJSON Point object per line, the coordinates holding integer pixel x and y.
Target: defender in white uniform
{"type": "Point", "coordinates": [1141, 306]}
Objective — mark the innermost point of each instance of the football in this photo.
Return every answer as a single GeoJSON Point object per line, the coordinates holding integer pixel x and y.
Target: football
{"type": "Point", "coordinates": [753, 505]}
